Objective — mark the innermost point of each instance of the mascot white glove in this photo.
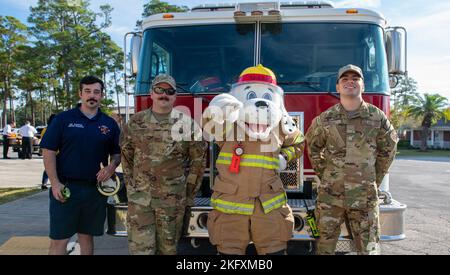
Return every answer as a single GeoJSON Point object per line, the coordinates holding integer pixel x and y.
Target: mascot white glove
{"type": "Point", "coordinates": [223, 107]}
{"type": "Point", "coordinates": [283, 163]}
{"type": "Point", "coordinates": [288, 124]}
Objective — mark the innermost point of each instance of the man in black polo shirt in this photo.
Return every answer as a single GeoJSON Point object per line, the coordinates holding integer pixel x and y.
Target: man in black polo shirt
{"type": "Point", "coordinates": [74, 146]}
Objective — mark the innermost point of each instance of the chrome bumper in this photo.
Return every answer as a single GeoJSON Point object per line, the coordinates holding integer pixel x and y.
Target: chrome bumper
{"type": "Point", "coordinates": [392, 221]}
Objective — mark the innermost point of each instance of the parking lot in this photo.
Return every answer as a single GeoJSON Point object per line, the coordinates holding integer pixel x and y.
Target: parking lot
{"type": "Point", "coordinates": [421, 183]}
{"type": "Point", "coordinates": [16, 172]}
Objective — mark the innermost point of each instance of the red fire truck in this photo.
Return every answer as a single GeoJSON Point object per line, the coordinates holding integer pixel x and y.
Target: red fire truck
{"type": "Point", "coordinates": [304, 43]}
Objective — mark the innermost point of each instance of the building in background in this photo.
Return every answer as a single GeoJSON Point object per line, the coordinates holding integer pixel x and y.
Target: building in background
{"type": "Point", "coordinates": [438, 137]}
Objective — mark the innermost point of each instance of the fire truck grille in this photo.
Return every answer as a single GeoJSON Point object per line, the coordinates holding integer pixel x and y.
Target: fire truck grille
{"type": "Point", "coordinates": [291, 176]}
{"type": "Point", "coordinates": [345, 246]}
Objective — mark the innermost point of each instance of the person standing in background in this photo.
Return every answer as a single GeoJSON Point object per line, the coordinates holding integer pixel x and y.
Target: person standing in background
{"type": "Point", "coordinates": [7, 131]}
{"type": "Point", "coordinates": [27, 132]}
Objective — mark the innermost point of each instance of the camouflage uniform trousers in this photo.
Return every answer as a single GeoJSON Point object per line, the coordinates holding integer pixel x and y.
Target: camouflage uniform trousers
{"type": "Point", "coordinates": [364, 226]}
{"type": "Point", "coordinates": [154, 230]}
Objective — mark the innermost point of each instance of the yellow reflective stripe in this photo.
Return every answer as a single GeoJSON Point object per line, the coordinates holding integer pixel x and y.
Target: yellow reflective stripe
{"type": "Point", "coordinates": [290, 155]}
{"type": "Point", "coordinates": [290, 152]}
{"type": "Point", "coordinates": [261, 165]}
{"type": "Point", "coordinates": [298, 139]}
{"type": "Point", "coordinates": [249, 156]}
{"type": "Point", "coordinates": [229, 203]}
{"type": "Point", "coordinates": [223, 161]}
{"type": "Point", "coordinates": [250, 161]}
{"type": "Point", "coordinates": [250, 164]}
{"type": "Point", "coordinates": [274, 203]}
{"type": "Point", "coordinates": [232, 207]}
{"type": "Point", "coordinates": [270, 159]}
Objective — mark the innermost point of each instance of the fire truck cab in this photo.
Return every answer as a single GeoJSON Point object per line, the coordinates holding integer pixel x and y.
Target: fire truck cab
{"type": "Point", "coordinates": [304, 43]}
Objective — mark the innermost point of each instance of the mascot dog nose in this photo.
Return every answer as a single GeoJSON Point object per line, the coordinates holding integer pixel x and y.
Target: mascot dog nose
{"type": "Point", "coordinates": [261, 104]}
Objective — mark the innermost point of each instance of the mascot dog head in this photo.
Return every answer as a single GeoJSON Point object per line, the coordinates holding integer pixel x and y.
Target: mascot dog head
{"type": "Point", "coordinates": [263, 106]}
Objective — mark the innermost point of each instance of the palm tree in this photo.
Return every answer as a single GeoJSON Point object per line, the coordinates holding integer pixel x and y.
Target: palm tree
{"type": "Point", "coordinates": [430, 108]}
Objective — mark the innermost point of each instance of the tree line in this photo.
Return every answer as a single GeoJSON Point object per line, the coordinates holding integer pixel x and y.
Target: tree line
{"type": "Point", "coordinates": [410, 109]}
{"type": "Point", "coordinates": [42, 62]}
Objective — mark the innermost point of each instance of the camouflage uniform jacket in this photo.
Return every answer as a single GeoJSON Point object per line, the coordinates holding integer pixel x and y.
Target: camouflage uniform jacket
{"type": "Point", "coordinates": [235, 193]}
{"type": "Point", "coordinates": [160, 171]}
{"type": "Point", "coordinates": [351, 155]}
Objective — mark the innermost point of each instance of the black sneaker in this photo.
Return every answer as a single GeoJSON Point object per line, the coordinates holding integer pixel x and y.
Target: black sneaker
{"type": "Point", "coordinates": [43, 187]}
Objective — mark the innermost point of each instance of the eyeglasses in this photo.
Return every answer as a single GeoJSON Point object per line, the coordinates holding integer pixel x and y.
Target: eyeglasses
{"type": "Point", "coordinates": [160, 91]}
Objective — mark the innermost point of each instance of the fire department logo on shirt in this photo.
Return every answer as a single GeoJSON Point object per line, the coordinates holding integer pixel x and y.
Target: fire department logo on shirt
{"type": "Point", "coordinates": [104, 129]}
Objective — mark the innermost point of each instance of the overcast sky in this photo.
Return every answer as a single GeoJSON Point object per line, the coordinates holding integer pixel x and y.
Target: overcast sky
{"type": "Point", "coordinates": [427, 22]}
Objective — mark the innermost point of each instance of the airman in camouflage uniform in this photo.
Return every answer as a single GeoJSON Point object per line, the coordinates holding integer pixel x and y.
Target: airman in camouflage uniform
{"type": "Point", "coordinates": [351, 151]}
{"type": "Point", "coordinates": [162, 175]}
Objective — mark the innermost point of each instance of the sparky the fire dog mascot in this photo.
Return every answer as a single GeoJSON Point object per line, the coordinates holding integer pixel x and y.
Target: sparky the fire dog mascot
{"type": "Point", "coordinates": [257, 138]}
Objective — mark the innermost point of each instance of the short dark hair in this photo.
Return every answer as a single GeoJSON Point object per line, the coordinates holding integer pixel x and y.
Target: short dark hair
{"type": "Point", "coordinates": [90, 79]}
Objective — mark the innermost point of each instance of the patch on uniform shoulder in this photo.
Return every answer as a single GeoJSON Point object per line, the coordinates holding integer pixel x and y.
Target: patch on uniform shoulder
{"type": "Point", "coordinates": [104, 129]}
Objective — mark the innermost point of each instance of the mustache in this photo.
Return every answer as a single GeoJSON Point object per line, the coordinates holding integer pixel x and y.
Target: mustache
{"type": "Point", "coordinates": [91, 99]}
{"type": "Point", "coordinates": [164, 98]}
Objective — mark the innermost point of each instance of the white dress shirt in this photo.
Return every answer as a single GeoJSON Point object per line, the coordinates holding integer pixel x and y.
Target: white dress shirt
{"type": "Point", "coordinates": [7, 130]}
{"type": "Point", "coordinates": [27, 130]}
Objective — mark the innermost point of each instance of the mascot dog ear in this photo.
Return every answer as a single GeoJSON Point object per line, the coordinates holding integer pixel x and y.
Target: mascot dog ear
{"type": "Point", "coordinates": [288, 124]}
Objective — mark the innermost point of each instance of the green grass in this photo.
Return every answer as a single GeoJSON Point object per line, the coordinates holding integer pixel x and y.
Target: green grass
{"type": "Point", "coordinates": [418, 153]}
{"type": "Point", "coordinates": [11, 194]}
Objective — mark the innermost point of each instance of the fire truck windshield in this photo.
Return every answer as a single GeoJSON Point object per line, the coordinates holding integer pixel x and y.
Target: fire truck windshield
{"type": "Point", "coordinates": [304, 56]}
{"type": "Point", "coordinates": [202, 59]}
{"type": "Point", "coordinates": [307, 56]}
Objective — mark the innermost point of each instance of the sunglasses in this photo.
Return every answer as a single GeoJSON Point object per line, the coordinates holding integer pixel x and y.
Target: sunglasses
{"type": "Point", "coordinates": [160, 91]}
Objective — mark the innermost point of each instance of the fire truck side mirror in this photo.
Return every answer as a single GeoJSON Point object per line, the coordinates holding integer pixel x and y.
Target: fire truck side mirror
{"type": "Point", "coordinates": [135, 50]}
{"type": "Point", "coordinates": [396, 50]}
{"type": "Point", "coordinates": [393, 81]}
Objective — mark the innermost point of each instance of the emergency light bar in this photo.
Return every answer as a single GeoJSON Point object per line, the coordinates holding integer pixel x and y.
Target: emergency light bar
{"type": "Point", "coordinates": [270, 11]}
{"type": "Point", "coordinates": [251, 12]}
{"type": "Point", "coordinates": [306, 5]}
{"type": "Point", "coordinates": [264, 7]}
{"type": "Point", "coordinates": [214, 7]}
